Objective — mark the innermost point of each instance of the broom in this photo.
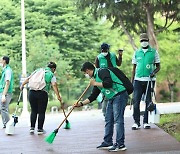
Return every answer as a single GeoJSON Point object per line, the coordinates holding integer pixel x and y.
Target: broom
{"type": "Point", "coordinates": [67, 126]}
{"type": "Point", "coordinates": [52, 136]}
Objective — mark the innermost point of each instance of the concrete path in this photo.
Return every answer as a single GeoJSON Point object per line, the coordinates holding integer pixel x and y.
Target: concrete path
{"type": "Point", "coordinates": [87, 130]}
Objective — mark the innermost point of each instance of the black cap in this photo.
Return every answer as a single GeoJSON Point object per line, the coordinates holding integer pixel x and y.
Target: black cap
{"type": "Point", "coordinates": [105, 46]}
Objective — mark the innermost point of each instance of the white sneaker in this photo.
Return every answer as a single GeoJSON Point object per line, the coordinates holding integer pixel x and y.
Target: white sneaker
{"type": "Point", "coordinates": [31, 131]}
{"type": "Point", "coordinates": [147, 126]}
{"type": "Point", "coordinates": [135, 126]}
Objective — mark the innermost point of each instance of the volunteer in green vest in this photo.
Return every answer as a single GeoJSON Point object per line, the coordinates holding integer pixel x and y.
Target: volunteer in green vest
{"type": "Point", "coordinates": [107, 83]}
{"type": "Point", "coordinates": [6, 89]}
{"type": "Point", "coordinates": [146, 63]}
{"type": "Point", "coordinates": [107, 59]}
{"type": "Point", "coordinates": [39, 98]}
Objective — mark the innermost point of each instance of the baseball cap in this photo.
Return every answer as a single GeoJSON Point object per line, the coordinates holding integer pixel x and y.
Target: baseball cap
{"type": "Point", "coordinates": [105, 46]}
{"type": "Point", "coordinates": [144, 36]}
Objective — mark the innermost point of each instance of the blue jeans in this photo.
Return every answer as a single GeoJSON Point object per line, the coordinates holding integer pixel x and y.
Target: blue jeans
{"type": "Point", "coordinates": [115, 115]}
{"type": "Point", "coordinates": [104, 105]}
{"type": "Point", "coordinates": [139, 90]}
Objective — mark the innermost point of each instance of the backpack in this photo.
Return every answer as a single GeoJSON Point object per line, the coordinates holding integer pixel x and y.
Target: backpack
{"type": "Point", "coordinates": [37, 80]}
{"type": "Point", "coordinates": [126, 82]}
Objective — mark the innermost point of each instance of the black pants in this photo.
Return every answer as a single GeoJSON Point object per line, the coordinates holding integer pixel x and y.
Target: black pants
{"type": "Point", "coordinates": [38, 102]}
{"type": "Point", "coordinates": [139, 90]}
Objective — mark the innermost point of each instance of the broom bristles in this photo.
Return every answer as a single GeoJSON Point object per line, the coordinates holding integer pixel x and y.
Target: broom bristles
{"type": "Point", "coordinates": [49, 139]}
{"type": "Point", "coordinates": [68, 125]}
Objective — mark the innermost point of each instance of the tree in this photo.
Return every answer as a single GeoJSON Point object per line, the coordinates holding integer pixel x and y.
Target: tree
{"type": "Point", "coordinates": [75, 33]}
{"type": "Point", "coordinates": [135, 16]}
{"type": "Point", "coordinates": [55, 31]}
{"type": "Point", "coordinates": [169, 47]}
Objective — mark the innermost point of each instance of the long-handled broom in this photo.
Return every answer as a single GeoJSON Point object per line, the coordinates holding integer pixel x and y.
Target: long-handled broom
{"type": "Point", "coordinates": [67, 126]}
{"type": "Point", "coordinates": [52, 136]}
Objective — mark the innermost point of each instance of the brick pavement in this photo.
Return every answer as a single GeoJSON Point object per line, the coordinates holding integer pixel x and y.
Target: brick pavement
{"type": "Point", "coordinates": [87, 129]}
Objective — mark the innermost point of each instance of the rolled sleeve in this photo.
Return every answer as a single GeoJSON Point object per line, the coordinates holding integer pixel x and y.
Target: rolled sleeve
{"type": "Point", "coordinates": [134, 59]}
{"type": "Point", "coordinates": [53, 80]}
{"type": "Point", "coordinates": [8, 75]}
{"type": "Point", "coordinates": [157, 58]}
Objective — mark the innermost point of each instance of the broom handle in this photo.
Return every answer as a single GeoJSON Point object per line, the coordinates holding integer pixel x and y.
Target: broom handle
{"type": "Point", "coordinates": [18, 102]}
{"type": "Point", "coordinates": [73, 106]}
{"type": "Point", "coordinates": [64, 112]}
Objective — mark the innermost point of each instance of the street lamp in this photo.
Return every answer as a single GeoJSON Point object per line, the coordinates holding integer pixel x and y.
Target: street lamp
{"type": "Point", "coordinates": [24, 75]}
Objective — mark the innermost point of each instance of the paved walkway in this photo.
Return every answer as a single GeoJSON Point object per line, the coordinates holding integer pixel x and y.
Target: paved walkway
{"type": "Point", "coordinates": [87, 129]}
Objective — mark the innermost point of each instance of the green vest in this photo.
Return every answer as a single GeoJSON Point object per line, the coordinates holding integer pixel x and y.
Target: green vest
{"type": "Point", "coordinates": [145, 62]}
{"type": "Point", "coordinates": [103, 61]}
{"type": "Point", "coordinates": [2, 81]}
{"type": "Point", "coordinates": [48, 76]}
{"type": "Point", "coordinates": [110, 92]}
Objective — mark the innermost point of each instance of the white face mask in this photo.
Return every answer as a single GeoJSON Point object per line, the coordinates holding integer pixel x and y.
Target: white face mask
{"type": "Point", "coordinates": [1, 64]}
{"type": "Point", "coordinates": [104, 54]}
{"type": "Point", "coordinates": [87, 76]}
{"type": "Point", "coordinates": [144, 44]}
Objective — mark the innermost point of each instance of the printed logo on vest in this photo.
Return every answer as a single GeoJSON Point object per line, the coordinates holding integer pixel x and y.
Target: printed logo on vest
{"type": "Point", "coordinates": [148, 66]}
{"type": "Point", "coordinates": [103, 65]}
{"type": "Point", "coordinates": [107, 92]}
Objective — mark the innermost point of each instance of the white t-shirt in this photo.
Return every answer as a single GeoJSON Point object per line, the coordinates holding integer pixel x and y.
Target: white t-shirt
{"type": "Point", "coordinates": [8, 75]}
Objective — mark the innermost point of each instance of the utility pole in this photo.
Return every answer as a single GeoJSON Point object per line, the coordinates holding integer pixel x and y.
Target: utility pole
{"type": "Point", "coordinates": [24, 75]}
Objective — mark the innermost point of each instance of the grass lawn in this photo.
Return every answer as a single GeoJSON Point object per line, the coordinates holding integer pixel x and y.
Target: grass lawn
{"type": "Point", "coordinates": [170, 123]}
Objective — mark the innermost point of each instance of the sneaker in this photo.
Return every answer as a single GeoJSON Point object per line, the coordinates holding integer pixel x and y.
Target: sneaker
{"type": "Point", "coordinates": [41, 131]}
{"type": "Point", "coordinates": [116, 147]}
{"type": "Point", "coordinates": [4, 126]}
{"type": "Point", "coordinates": [135, 126]}
{"type": "Point", "coordinates": [104, 146]}
{"type": "Point", "coordinates": [147, 126]}
{"type": "Point", "coordinates": [31, 131]}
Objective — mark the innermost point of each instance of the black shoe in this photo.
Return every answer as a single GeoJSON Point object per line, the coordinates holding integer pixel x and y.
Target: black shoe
{"type": "Point", "coordinates": [4, 126]}
{"type": "Point", "coordinates": [116, 148]}
{"type": "Point", "coordinates": [104, 146]}
{"type": "Point", "coordinates": [41, 131]}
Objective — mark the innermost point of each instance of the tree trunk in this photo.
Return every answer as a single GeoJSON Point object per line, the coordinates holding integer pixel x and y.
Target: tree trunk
{"type": "Point", "coordinates": [172, 96]}
{"type": "Point", "coordinates": [131, 41]}
{"type": "Point", "coordinates": [171, 86]}
{"type": "Point", "coordinates": [150, 27]}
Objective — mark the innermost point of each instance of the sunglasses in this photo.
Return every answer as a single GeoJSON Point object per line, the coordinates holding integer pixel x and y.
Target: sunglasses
{"type": "Point", "coordinates": [144, 40]}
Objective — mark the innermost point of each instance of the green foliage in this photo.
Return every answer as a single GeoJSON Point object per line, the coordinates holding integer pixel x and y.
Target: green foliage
{"type": "Point", "coordinates": [13, 105]}
{"type": "Point", "coordinates": [57, 31]}
{"type": "Point", "coordinates": [171, 124]}
{"type": "Point", "coordinates": [169, 52]}
{"type": "Point", "coordinates": [133, 12]}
